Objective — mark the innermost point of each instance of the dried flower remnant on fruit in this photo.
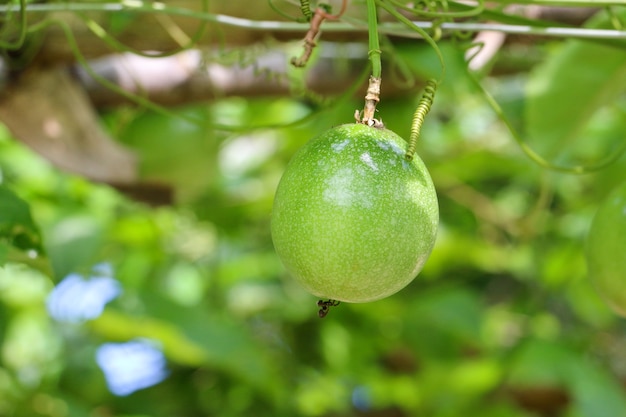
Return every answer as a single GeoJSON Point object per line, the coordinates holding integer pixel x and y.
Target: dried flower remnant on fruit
{"type": "Point", "coordinates": [325, 307]}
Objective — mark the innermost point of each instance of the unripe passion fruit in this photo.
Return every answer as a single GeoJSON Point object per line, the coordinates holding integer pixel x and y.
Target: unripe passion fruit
{"type": "Point", "coordinates": [353, 220]}
{"type": "Point", "coordinates": [606, 250]}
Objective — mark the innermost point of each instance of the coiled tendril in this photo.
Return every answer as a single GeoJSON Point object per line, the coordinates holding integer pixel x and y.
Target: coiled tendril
{"type": "Point", "coordinates": [305, 7]}
{"type": "Point", "coordinates": [421, 111]}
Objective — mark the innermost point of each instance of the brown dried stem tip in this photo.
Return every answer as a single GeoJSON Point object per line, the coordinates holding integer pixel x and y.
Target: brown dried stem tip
{"type": "Point", "coordinates": [372, 97]}
{"type": "Point", "coordinates": [322, 12]}
{"type": "Point", "coordinates": [309, 39]}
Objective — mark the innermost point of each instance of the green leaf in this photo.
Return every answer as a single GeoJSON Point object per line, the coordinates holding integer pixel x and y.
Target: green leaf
{"type": "Point", "coordinates": [4, 252]}
{"type": "Point", "coordinates": [451, 317]}
{"type": "Point", "coordinates": [540, 363]}
{"type": "Point", "coordinates": [574, 94]}
{"type": "Point", "coordinates": [192, 337]}
{"type": "Point", "coordinates": [178, 150]}
{"type": "Point", "coordinates": [73, 243]}
{"type": "Point", "coordinates": [594, 391]}
{"type": "Point", "coordinates": [120, 21]}
{"type": "Point", "coordinates": [118, 326]}
{"type": "Point", "coordinates": [17, 226]}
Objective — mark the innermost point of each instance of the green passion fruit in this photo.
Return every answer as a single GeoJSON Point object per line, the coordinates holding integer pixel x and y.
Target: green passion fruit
{"type": "Point", "coordinates": [606, 250]}
{"type": "Point", "coordinates": [354, 220]}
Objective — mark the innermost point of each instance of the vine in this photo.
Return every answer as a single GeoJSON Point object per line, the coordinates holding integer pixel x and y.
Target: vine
{"type": "Point", "coordinates": [532, 154]}
{"type": "Point", "coordinates": [441, 12]}
{"type": "Point", "coordinates": [322, 12]}
{"type": "Point", "coordinates": [117, 46]}
{"type": "Point", "coordinates": [138, 99]}
{"type": "Point", "coordinates": [305, 8]}
{"type": "Point", "coordinates": [22, 28]}
{"type": "Point", "coordinates": [444, 13]}
{"type": "Point", "coordinates": [526, 148]}
{"type": "Point", "coordinates": [502, 22]}
{"type": "Point", "coordinates": [372, 96]}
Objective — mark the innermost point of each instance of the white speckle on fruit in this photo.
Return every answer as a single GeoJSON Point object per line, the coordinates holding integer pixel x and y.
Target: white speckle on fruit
{"type": "Point", "coordinates": [340, 190]}
{"type": "Point", "coordinates": [365, 157]}
{"type": "Point", "coordinates": [338, 147]}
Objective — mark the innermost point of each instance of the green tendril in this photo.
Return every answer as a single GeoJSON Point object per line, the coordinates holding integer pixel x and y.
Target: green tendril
{"type": "Point", "coordinates": [305, 8]}
{"type": "Point", "coordinates": [116, 45]}
{"type": "Point", "coordinates": [475, 11]}
{"type": "Point", "coordinates": [23, 29]}
{"type": "Point", "coordinates": [391, 10]}
{"type": "Point", "coordinates": [289, 17]}
{"type": "Point", "coordinates": [82, 61]}
{"type": "Point", "coordinates": [149, 105]}
{"type": "Point", "coordinates": [421, 111]}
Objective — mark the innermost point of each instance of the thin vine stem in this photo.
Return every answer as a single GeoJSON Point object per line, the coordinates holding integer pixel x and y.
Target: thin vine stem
{"type": "Point", "coordinates": [532, 28]}
{"type": "Point", "coordinates": [82, 61]}
{"type": "Point", "coordinates": [568, 3]}
{"type": "Point", "coordinates": [391, 10]}
{"type": "Point", "coordinates": [319, 16]}
{"type": "Point", "coordinates": [23, 28]}
{"type": "Point", "coordinates": [532, 154]}
{"type": "Point", "coordinates": [116, 45]}
{"type": "Point", "coordinates": [480, 7]}
{"type": "Point", "coordinates": [307, 13]}
{"type": "Point", "coordinates": [149, 105]}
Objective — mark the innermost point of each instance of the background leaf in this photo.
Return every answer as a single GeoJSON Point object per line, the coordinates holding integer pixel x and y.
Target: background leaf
{"type": "Point", "coordinates": [17, 226]}
{"type": "Point", "coordinates": [577, 89]}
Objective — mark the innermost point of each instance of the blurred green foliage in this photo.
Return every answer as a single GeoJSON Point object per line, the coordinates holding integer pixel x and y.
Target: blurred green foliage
{"type": "Point", "coordinates": [502, 322]}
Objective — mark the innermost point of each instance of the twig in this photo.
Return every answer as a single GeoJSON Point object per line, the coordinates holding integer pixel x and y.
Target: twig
{"type": "Point", "coordinates": [318, 18]}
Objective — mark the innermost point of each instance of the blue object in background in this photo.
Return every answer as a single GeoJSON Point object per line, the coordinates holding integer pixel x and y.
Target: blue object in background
{"type": "Point", "coordinates": [76, 299]}
{"type": "Point", "coordinates": [361, 398]}
{"type": "Point", "coordinates": [131, 366]}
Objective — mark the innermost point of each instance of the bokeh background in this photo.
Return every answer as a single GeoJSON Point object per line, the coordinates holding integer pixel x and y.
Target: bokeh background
{"type": "Point", "coordinates": [162, 295]}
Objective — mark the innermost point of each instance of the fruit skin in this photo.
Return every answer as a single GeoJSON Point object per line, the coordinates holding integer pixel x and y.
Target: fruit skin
{"type": "Point", "coordinates": [353, 220]}
{"type": "Point", "coordinates": [606, 250]}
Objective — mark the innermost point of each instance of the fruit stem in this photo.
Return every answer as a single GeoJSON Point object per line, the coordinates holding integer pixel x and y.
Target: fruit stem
{"type": "Point", "coordinates": [374, 46]}
{"type": "Point", "coordinates": [372, 96]}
